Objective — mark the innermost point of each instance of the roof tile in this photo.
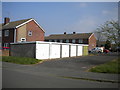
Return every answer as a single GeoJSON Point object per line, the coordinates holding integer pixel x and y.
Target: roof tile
{"type": "Point", "coordinates": [69, 36]}
{"type": "Point", "coordinates": [13, 24]}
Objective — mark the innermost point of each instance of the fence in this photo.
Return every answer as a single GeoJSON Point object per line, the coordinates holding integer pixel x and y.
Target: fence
{"type": "Point", "coordinates": [47, 50]}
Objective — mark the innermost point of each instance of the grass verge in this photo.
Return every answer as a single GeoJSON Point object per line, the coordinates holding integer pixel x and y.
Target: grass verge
{"type": "Point", "coordinates": [20, 60]}
{"type": "Point", "coordinates": [109, 67]}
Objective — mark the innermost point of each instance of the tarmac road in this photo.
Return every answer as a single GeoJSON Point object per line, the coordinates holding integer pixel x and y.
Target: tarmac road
{"type": "Point", "coordinates": [52, 73]}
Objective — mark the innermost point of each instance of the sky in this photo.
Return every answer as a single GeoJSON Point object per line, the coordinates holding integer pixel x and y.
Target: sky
{"type": "Point", "coordinates": [60, 17]}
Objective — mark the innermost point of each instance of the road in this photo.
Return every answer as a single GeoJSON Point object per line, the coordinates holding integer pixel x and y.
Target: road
{"type": "Point", "coordinates": [53, 73]}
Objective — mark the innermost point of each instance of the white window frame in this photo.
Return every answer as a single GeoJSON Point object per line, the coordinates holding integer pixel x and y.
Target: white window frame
{"type": "Point", "coordinates": [6, 44]}
{"type": "Point", "coordinates": [6, 33]}
{"type": "Point", "coordinates": [73, 40]}
{"type": "Point", "coordinates": [55, 40]}
{"type": "Point", "coordinates": [80, 41]}
{"type": "Point", "coordinates": [61, 41]}
{"type": "Point", "coordinates": [50, 40]}
{"type": "Point", "coordinates": [67, 40]}
{"type": "Point", "coordinates": [23, 40]}
{"type": "Point", "coordinates": [29, 33]}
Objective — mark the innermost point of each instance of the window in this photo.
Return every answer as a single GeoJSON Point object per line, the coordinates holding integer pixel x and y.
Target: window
{"type": "Point", "coordinates": [64, 41]}
{"type": "Point", "coordinates": [80, 41]}
{"type": "Point", "coordinates": [61, 41]}
{"type": "Point", "coordinates": [6, 33]}
{"type": "Point", "coordinates": [23, 39]}
{"type": "Point", "coordinates": [6, 44]}
{"type": "Point", "coordinates": [67, 41]}
{"type": "Point", "coordinates": [73, 41]}
{"type": "Point", "coordinates": [50, 40]}
{"type": "Point", "coordinates": [58, 40]}
{"type": "Point", "coordinates": [55, 40]}
{"type": "Point", "coordinates": [29, 33]}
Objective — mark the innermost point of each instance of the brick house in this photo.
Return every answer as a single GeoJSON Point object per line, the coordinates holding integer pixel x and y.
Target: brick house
{"type": "Point", "coordinates": [22, 30]}
{"type": "Point", "coordinates": [77, 38]}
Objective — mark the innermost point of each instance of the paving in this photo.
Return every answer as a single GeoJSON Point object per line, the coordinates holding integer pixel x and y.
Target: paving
{"type": "Point", "coordinates": [60, 73]}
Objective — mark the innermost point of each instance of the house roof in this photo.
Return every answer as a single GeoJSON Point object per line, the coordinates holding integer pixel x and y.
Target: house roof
{"type": "Point", "coordinates": [13, 24]}
{"type": "Point", "coordinates": [16, 24]}
{"type": "Point", "coordinates": [69, 36]}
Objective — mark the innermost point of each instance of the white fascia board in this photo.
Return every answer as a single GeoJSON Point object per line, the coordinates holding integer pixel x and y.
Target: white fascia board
{"type": "Point", "coordinates": [91, 35]}
{"type": "Point", "coordinates": [38, 25]}
{"type": "Point", "coordinates": [28, 22]}
{"type": "Point", "coordinates": [23, 23]}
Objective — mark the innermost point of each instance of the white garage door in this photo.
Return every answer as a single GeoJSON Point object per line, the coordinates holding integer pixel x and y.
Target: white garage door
{"type": "Point", "coordinates": [73, 50]}
{"type": "Point", "coordinates": [79, 51]}
{"type": "Point", "coordinates": [65, 51]}
{"type": "Point", "coordinates": [42, 51]}
{"type": "Point", "coordinates": [54, 51]}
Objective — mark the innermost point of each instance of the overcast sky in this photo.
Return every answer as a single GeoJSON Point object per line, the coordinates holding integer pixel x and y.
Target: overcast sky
{"type": "Point", "coordinates": [60, 17]}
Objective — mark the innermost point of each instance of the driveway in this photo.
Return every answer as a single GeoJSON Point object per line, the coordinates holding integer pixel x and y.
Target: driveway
{"type": "Point", "coordinates": [78, 63]}
{"type": "Point", "coordinates": [60, 73]}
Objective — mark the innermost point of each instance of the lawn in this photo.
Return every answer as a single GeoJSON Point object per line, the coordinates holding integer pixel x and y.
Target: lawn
{"type": "Point", "coordinates": [109, 67]}
{"type": "Point", "coordinates": [20, 60]}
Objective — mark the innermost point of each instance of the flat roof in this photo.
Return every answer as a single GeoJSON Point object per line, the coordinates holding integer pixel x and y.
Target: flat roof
{"type": "Point", "coordinates": [43, 42]}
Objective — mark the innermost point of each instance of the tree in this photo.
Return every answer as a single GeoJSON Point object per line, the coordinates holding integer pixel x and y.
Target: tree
{"type": "Point", "coordinates": [110, 30]}
{"type": "Point", "coordinates": [99, 36]}
{"type": "Point", "coordinates": [108, 44]}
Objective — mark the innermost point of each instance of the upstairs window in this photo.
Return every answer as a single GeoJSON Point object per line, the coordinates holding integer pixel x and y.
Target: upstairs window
{"type": "Point", "coordinates": [29, 33]}
{"type": "Point", "coordinates": [61, 41]}
{"type": "Point", "coordinates": [64, 41]}
{"type": "Point", "coordinates": [67, 41]}
{"type": "Point", "coordinates": [55, 40]}
{"type": "Point", "coordinates": [58, 40]}
{"type": "Point", "coordinates": [80, 41]}
{"type": "Point", "coordinates": [73, 41]}
{"type": "Point", "coordinates": [6, 33]}
{"type": "Point", "coordinates": [50, 40]}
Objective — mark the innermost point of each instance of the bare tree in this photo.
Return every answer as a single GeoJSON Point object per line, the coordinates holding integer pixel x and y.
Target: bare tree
{"type": "Point", "coordinates": [99, 36]}
{"type": "Point", "coordinates": [111, 31]}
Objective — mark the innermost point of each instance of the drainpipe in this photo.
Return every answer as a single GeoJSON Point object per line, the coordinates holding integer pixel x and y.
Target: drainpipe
{"type": "Point", "coordinates": [15, 35]}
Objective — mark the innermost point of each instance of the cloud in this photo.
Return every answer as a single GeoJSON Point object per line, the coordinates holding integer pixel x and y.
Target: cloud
{"type": "Point", "coordinates": [91, 23]}
{"type": "Point", "coordinates": [113, 14]}
{"type": "Point", "coordinates": [105, 12]}
{"type": "Point", "coordinates": [83, 4]}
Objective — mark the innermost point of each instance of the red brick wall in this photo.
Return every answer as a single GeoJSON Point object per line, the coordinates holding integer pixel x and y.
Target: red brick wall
{"type": "Point", "coordinates": [92, 42]}
{"type": "Point", "coordinates": [5, 53]}
{"type": "Point", "coordinates": [37, 33]}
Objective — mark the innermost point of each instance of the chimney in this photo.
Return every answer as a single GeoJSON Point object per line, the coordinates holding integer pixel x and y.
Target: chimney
{"type": "Point", "coordinates": [74, 32]}
{"type": "Point", "coordinates": [64, 32]}
{"type": "Point", "coordinates": [6, 20]}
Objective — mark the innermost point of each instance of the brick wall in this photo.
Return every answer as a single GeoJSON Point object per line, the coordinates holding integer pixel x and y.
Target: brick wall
{"type": "Point", "coordinates": [92, 42]}
{"type": "Point", "coordinates": [37, 33]}
{"type": "Point", "coordinates": [5, 52]}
